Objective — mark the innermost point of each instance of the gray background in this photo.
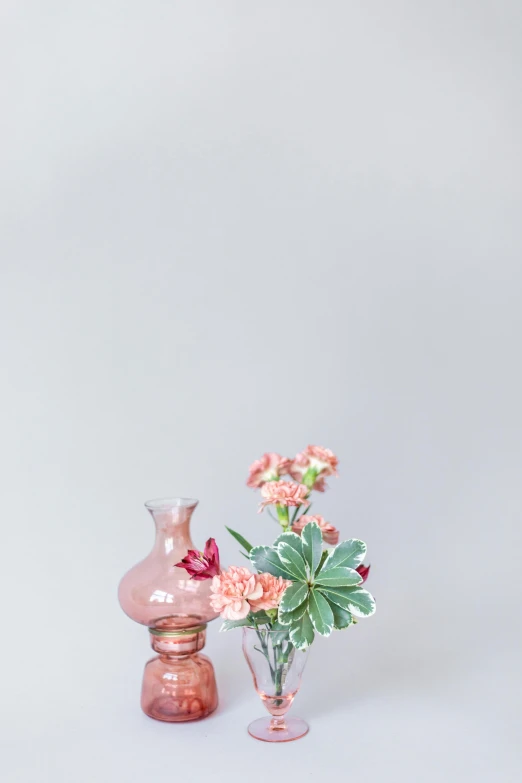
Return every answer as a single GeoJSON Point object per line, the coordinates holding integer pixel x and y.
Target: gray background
{"type": "Point", "coordinates": [231, 227]}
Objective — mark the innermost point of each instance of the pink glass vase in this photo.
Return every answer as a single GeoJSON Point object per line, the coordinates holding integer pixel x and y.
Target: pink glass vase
{"type": "Point", "coordinates": [179, 683]}
{"type": "Point", "coordinates": [277, 668]}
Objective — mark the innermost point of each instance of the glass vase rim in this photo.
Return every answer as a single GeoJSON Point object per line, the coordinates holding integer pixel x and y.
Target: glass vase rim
{"type": "Point", "coordinates": [169, 503]}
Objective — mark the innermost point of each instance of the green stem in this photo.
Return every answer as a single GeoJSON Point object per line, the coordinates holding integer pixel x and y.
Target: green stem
{"type": "Point", "coordinates": [278, 669]}
{"type": "Point", "coordinates": [282, 515]}
{"type": "Point", "coordinates": [279, 681]}
{"type": "Point", "coordinates": [305, 510]}
{"type": "Point", "coordinates": [264, 649]}
{"type": "Point", "coordinates": [300, 510]}
{"type": "Point", "coordinates": [281, 658]}
{"type": "Point", "coordinates": [294, 514]}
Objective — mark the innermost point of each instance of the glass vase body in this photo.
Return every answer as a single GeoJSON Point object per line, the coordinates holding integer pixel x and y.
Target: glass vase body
{"type": "Point", "coordinates": [277, 667]}
{"type": "Point", "coordinates": [179, 683]}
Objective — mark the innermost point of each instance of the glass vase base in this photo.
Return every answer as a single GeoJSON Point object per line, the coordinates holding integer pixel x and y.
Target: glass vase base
{"type": "Point", "coordinates": [290, 729]}
{"type": "Point", "coordinates": [178, 712]}
{"type": "Point", "coordinates": [178, 688]}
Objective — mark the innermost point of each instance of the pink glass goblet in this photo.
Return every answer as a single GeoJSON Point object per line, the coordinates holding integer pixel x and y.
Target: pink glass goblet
{"type": "Point", "coordinates": [276, 667]}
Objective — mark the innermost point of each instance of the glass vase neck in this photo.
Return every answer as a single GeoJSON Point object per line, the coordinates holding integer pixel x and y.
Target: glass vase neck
{"type": "Point", "coordinates": [172, 520]}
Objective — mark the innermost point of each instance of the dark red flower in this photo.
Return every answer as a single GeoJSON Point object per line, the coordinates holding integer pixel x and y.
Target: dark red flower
{"type": "Point", "coordinates": [202, 565]}
{"type": "Point", "coordinates": [363, 571]}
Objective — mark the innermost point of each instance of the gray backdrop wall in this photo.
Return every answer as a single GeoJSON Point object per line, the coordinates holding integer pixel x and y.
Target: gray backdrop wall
{"type": "Point", "coordinates": [236, 227]}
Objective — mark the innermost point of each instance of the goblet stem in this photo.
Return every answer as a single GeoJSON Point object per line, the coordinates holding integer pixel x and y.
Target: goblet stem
{"type": "Point", "coordinates": [278, 724]}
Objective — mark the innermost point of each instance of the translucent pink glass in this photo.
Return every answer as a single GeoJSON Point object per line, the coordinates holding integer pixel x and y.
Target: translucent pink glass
{"type": "Point", "coordinates": [277, 668]}
{"type": "Point", "coordinates": [179, 683]}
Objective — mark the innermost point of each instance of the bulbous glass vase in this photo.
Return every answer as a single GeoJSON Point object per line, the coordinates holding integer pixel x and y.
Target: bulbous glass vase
{"type": "Point", "coordinates": [277, 667]}
{"type": "Point", "coordinates": [179, 683]}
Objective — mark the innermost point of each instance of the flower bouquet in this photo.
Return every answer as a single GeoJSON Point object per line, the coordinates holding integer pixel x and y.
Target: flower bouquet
{"type": "Point", "coordinates": [294, 588]}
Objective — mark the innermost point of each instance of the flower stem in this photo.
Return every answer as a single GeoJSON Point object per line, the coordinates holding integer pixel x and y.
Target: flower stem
{"type": "Point", "coordinates": [264, 646]}
{"type": "Point", "coordinates": [300, 510]}
{"type": "Point", "coordinates": [282, 515]}
{"type": "Point", "coordinates": [282, 656]}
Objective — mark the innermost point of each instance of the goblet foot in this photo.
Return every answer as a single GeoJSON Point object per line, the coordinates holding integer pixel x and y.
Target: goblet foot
{"type": "Point", "coordinates": [278, 729]}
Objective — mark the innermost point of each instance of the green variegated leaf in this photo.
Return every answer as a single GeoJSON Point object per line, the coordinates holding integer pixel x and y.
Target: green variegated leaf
{"type": "Point", "coordinates": [312, 545]}
{"type": "Point", "coordinates": [321, 561]}
{"type": "Point", "coordinates": [342, 618]}
{"type": "Point", "coordinates": [240, 540]}
{"type": "Point", "coordinates": [265, 558]}
{"type": "Point", "coordinates": [349, 554]}
{"type": "Point", "coordinates": [360, 602]}
{"type": "Point", "coordinates": [282, 636]}
{"type": "Point", "coordinates": [292, 561]}
{"type": "Point", "coordinates": [229, 624]}
{"type": "Point", "coordinates": [289, 618]}
{"type": "Point", "coordinates": [276, 626]}
{"type": "Point", "coordinates": [292, 539]}
{"type": "Point", "coordinates": [338, 577]}
{"type": "Point", "coordinates": [320, 613]}
{"type": "Point", "coordinates": [337, 595]}
{"type": "Point", "coordinates": [293, 597]}
{"type": "Point", "coordinates": [302, 633]}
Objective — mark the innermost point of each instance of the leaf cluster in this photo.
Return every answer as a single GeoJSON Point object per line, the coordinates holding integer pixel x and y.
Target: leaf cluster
{"type": "Point", "coordinates": [325, 593]}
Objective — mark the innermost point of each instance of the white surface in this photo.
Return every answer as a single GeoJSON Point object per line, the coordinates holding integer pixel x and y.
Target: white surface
{"type": "Point", "coordinates": [383, 711]}
{"type": "Point", "coordinates": [233, 227]}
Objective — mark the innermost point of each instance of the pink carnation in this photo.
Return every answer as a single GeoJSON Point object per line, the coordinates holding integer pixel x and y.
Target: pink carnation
{"type": "Point", "coordinates": [232, 592]}
{"type": "Point", "coordinates": [284, 493]}
{"type": "Point", "coordinates": [271, 466]}
{"type": "Point", "coordinates": [322, 460]}
{"type": "Point", "coordinates": [330, 533]}
{"type": "Point", "coordinates": [273, 589]}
